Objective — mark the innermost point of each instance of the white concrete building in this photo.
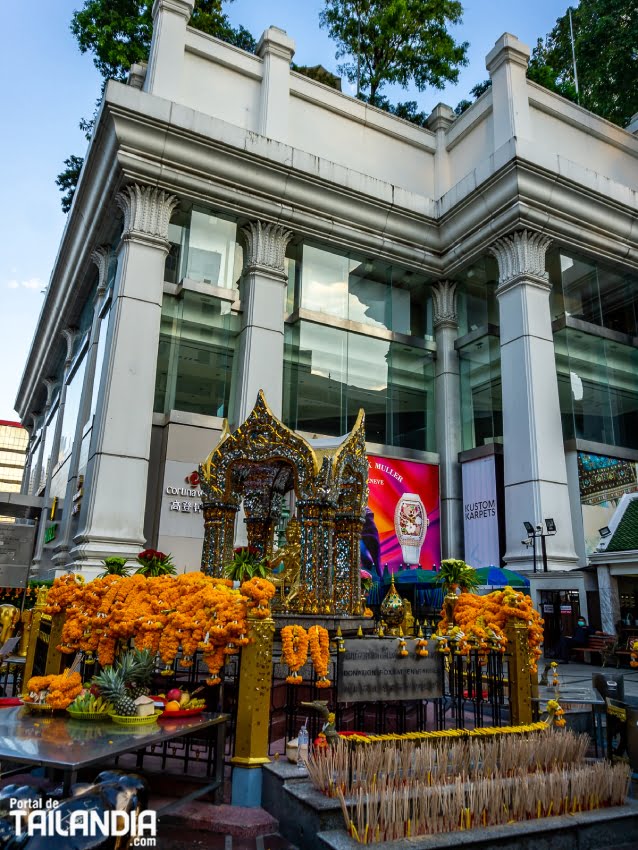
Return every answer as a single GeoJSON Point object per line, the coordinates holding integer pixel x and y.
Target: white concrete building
{"type": "Point", "coordinates": [238, 226]}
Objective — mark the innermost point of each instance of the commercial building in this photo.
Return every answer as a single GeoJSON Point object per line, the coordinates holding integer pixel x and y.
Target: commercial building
{"type": "Point", "coordinates": [237, 226]}
{"type": "Point", "coordinates": [14, 440]}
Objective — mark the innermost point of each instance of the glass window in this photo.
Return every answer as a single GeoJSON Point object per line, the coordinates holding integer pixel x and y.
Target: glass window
{"type": "Point", "coordinates": [594, 293]}
{"type": "Point", "coordinates": [481, 399]}
{"type": "Point", "coordinates": [477, 304]}
{"type": "Point", "coordinates": [369, 292]}
{"type": "Point", "coordinates": [597, 388]}
{"type": "Point", "coordinates": [71, 408]}
{"type": "Point", "coordinates": [195, 357]}
{"type": "Point", "coordinates": [99, 361]}
{"type": "Point", "coordinates": [203, 247]}
{"type": "Point", "coordinates": [329, 374]}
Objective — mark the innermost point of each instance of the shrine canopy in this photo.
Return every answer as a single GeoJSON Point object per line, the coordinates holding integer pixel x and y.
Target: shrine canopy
{"type": "Point", "coordinates": [257, 464]}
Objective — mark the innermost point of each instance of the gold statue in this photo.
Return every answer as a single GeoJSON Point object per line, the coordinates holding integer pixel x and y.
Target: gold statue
{"type": "Point", "coordinates": [9, 617]}
{"type": "Point", "coordinates": [26, 631]}
{"type": "Point", "coordinates": [408, 618]}
{"type": "Point", "coordinates": [290, 555]}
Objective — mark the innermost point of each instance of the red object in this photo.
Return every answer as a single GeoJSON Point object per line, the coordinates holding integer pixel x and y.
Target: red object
{"type": "Point", "coordinates": [174, 694]}
{"type": "Point", "coordinates": [186, 712]}
{"type": "Point", "coordinates": [5, 702]}
{"type": "Point", "coordinates": [347, 733]}
{"type": "Point", "coordinates": [466, 695]}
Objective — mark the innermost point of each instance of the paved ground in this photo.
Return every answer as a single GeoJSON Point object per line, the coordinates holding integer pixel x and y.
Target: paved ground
{"type": "Point", "coordinates": [578, 674]}
{"type": "Point", "coordinates": [176, 838]}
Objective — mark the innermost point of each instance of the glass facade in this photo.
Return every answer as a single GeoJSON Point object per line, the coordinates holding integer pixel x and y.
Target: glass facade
{"type": "Point", "coordinates": [203, 248]}
{"type": "Point", "coordinates": [368, 292]}
{"type": "Point", "coordinates": [481, 397]}
{"type": "Point", "coordinates": [597, 388]}
{"type": "Point", "coordinates": [476, 296]}
{"type": "Point", "coordinates": [592, 292]}
{"type": "Point", "coordinates": [71, 408]}
{"type": "Point", "coordinates": [330, 373]}
{"type": "Point", "coordinates": [195, 358]}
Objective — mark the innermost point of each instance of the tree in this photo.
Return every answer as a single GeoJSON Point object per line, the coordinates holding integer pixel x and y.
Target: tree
{"type": "Point", "coordinates": [118, 34]}
{"type": "Point", "coordinates": [395, 41]}
{"type": "Point", "coordinates": [606, 47]}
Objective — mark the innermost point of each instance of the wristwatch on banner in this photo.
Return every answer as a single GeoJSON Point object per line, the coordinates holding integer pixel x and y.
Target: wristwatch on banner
{"type": "Point", "coordinates": [411, 525]}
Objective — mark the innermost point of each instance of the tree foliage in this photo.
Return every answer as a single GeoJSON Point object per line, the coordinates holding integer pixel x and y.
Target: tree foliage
{"type": "Point", "coordinates": [397, 41]}
{"type": "Point", "coordinates": [118, 33]}
{"type": "Point", "coordinates": [606, 47]}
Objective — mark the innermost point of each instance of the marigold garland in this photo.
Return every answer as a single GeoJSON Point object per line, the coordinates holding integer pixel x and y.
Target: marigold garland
{"type": "Point", "coordinates": [161, 613]}
{"type": "Point", "coordinates": [60, 690]}
{"type": "Point", "coordinates": [319, 643]}
{"type": "Point", "coordinates": [480, 622]}
{"type": "Point", "coordinates": [634, 654]}
{"type": "Point", "coordinates": [294, 648]}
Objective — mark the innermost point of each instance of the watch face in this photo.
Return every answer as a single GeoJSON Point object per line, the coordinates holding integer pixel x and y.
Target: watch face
{"type": "Point", "coordinates": [410, 520]}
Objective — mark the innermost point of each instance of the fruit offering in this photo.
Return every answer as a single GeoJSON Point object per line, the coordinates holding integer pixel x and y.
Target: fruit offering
{"type": "Point", "coordinates": [177, 700]}
{"type": "Point", "coordinates": [89, 703]}
{"type": "Point", "coordinates": [122, 684]}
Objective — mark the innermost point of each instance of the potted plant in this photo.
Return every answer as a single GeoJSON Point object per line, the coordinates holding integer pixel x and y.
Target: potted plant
{"type": "Point", "coordinates": [155, 563]}
{"type": "Point", "coordinates": [246, 564]}
{"type": "Point", "coordinates": [115, 566]}
{"type": "Point", "coordinates": [456, 574]}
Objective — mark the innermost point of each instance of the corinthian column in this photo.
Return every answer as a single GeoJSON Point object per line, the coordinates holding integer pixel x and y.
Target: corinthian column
{"type": "Point", "coordinates": [260, 343]}
{"type": "Point", "coordinates": [448, 416]}
{"type": "Point", "coordinates": [534, 459]}
{"type": "Point", "coordinates": [112, 512]}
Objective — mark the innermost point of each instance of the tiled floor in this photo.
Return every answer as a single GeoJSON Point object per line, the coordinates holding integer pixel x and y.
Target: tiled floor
{"type": "Point", "coordinates": [176, 838]}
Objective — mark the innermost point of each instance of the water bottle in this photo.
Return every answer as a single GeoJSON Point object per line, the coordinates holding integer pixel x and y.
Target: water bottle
{"type": "Point", "coordinates": [302, 746]}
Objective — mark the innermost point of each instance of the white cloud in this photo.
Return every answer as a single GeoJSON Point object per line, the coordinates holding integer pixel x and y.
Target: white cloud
{"type": "Point", "coordinates": [29, 283]}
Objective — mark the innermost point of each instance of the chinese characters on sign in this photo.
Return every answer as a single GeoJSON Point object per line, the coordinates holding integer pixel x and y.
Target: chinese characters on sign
{"type": "Point", "coordinates": [182, 506]}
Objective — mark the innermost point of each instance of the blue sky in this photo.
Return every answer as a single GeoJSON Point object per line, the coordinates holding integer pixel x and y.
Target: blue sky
{"type": "Point", "coordinates": [46, 86]}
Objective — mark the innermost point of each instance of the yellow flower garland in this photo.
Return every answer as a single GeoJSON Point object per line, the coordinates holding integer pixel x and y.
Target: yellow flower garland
{"type": "Point", "coordinates": [294, 648]}
{"type": "Point", "coordinates": [319, 642]}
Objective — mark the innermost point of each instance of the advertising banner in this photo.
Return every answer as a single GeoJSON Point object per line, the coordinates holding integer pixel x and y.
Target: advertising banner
{"type": "Point", "coordinates": [480, 515]}
{"type": "Point", "coordinates": [602, 481]}
{"type": "Point", "coordinates": [402, 520]}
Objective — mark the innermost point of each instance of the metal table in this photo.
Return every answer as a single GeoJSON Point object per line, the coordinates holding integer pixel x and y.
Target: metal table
{"type": "Point", "coordinates": [67, 745]}
{"type": "Point", "coordinates": [570, 695]}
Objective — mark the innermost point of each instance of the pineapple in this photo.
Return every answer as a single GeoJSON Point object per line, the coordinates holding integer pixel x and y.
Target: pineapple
{"type": "Point", "coordinates": [112, 687]}
{"type": "Point", "coordinates": [142, 666]}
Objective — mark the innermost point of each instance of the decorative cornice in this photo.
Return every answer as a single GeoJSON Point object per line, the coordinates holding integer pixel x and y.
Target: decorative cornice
{"type": "Point", "coordinates": [265, 246]}
{"type": "Point", "coordinates": [69, 335]}
{"type": "Point", "coordinates": [147, 213]}
{"type": "Point", "coordinates": [521, 256]}
{"type": "Point", "coordinates": [102, 257]}
{"type": "Point", "coordinates": [444, 312]}
{"type": "Point", "coordinates": [184, 8]}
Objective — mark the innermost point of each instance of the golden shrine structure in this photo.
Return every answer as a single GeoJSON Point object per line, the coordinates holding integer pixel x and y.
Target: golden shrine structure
{"type": "Point", "coordinates": [263, 460]}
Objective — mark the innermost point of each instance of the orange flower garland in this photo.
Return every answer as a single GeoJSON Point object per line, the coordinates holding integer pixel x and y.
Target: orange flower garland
{"type": "Point", "coordinates": [161, 614]}
{"type": "Point", "coordinates": [60, 690]}
{"type": "Point", "coordinates": [294, 648]}
{"type": "Point", "coordinates": [482, 620]}
{"type": "Point", "coordinates": [319, 643]}
{"type": "Point", "coordinates": [634, 654]}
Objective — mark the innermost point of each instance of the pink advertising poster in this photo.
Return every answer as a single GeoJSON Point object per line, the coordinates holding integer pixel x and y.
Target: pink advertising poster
{"type": "Point", "coordinates": [402, 521]}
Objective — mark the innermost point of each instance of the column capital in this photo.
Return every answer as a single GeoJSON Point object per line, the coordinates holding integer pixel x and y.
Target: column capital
{"type": "Point", "coordinates": [508, 48]}
{"type": "Point", "coordinates": [266, 247]}
{"type": "Point", "coordinates": [521, 255]}
{"type": "Point", "coordinates": [50, 385]}
{"type": "Point", "coordinates": [444, 306]}
{"type": "Point", "coordinates": [276, 41]}
{"type": "Point", "coordinates": [69, 335]}
{"type": "Point", "coordinates": [101, 256]}
{"type": "Point", "coordinates": [147, 213]}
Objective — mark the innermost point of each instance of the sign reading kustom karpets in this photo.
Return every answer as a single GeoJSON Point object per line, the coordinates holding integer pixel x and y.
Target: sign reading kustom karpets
{"type": "Point", "coordinates": [370, 669]}
{"type": "Point", "coordinates": [480, 514]}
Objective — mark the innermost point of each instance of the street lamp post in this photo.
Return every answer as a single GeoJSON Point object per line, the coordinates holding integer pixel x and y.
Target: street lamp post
{"type": "Point", "coordinates": [533, 533]}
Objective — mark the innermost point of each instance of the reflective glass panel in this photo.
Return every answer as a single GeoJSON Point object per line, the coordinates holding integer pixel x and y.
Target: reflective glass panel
{"type": "Point", "coordinates": [71, 408]}
{"type": "Point", "coordinates": [197, 341]}
{"type": "Point", "coordinates": [481, 399]}
{"type": "Point", "coordinates": [204, 248]}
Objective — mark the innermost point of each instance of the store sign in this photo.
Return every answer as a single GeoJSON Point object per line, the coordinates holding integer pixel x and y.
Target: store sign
{"type": "Point", "coordinates": [370, 669]}
{"type": "Point", "coordinates": [50, 533]}
{"type": "Point", "coordinates": [548, 609]}
{"type": "Point", "coordinates": [181, 508]}
{"type": "Point", "coordinates": [401, 528]}
{"type": "Point", "coordinates": [480, 516]}
{"type": "Point", "coordinates": [565, 609]}
{"type": "Point", "coordinates": [184, 499]}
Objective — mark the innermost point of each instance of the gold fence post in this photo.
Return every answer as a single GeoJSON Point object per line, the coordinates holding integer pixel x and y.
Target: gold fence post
{"type": "Point", "coordinates": [54, 660]}
{"type": "Point", "coordinates": [253, 712]}
{"type": "Point", "coordinates": [519, 674]}
{"type": "Point", "coordinates": [34, 631]}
